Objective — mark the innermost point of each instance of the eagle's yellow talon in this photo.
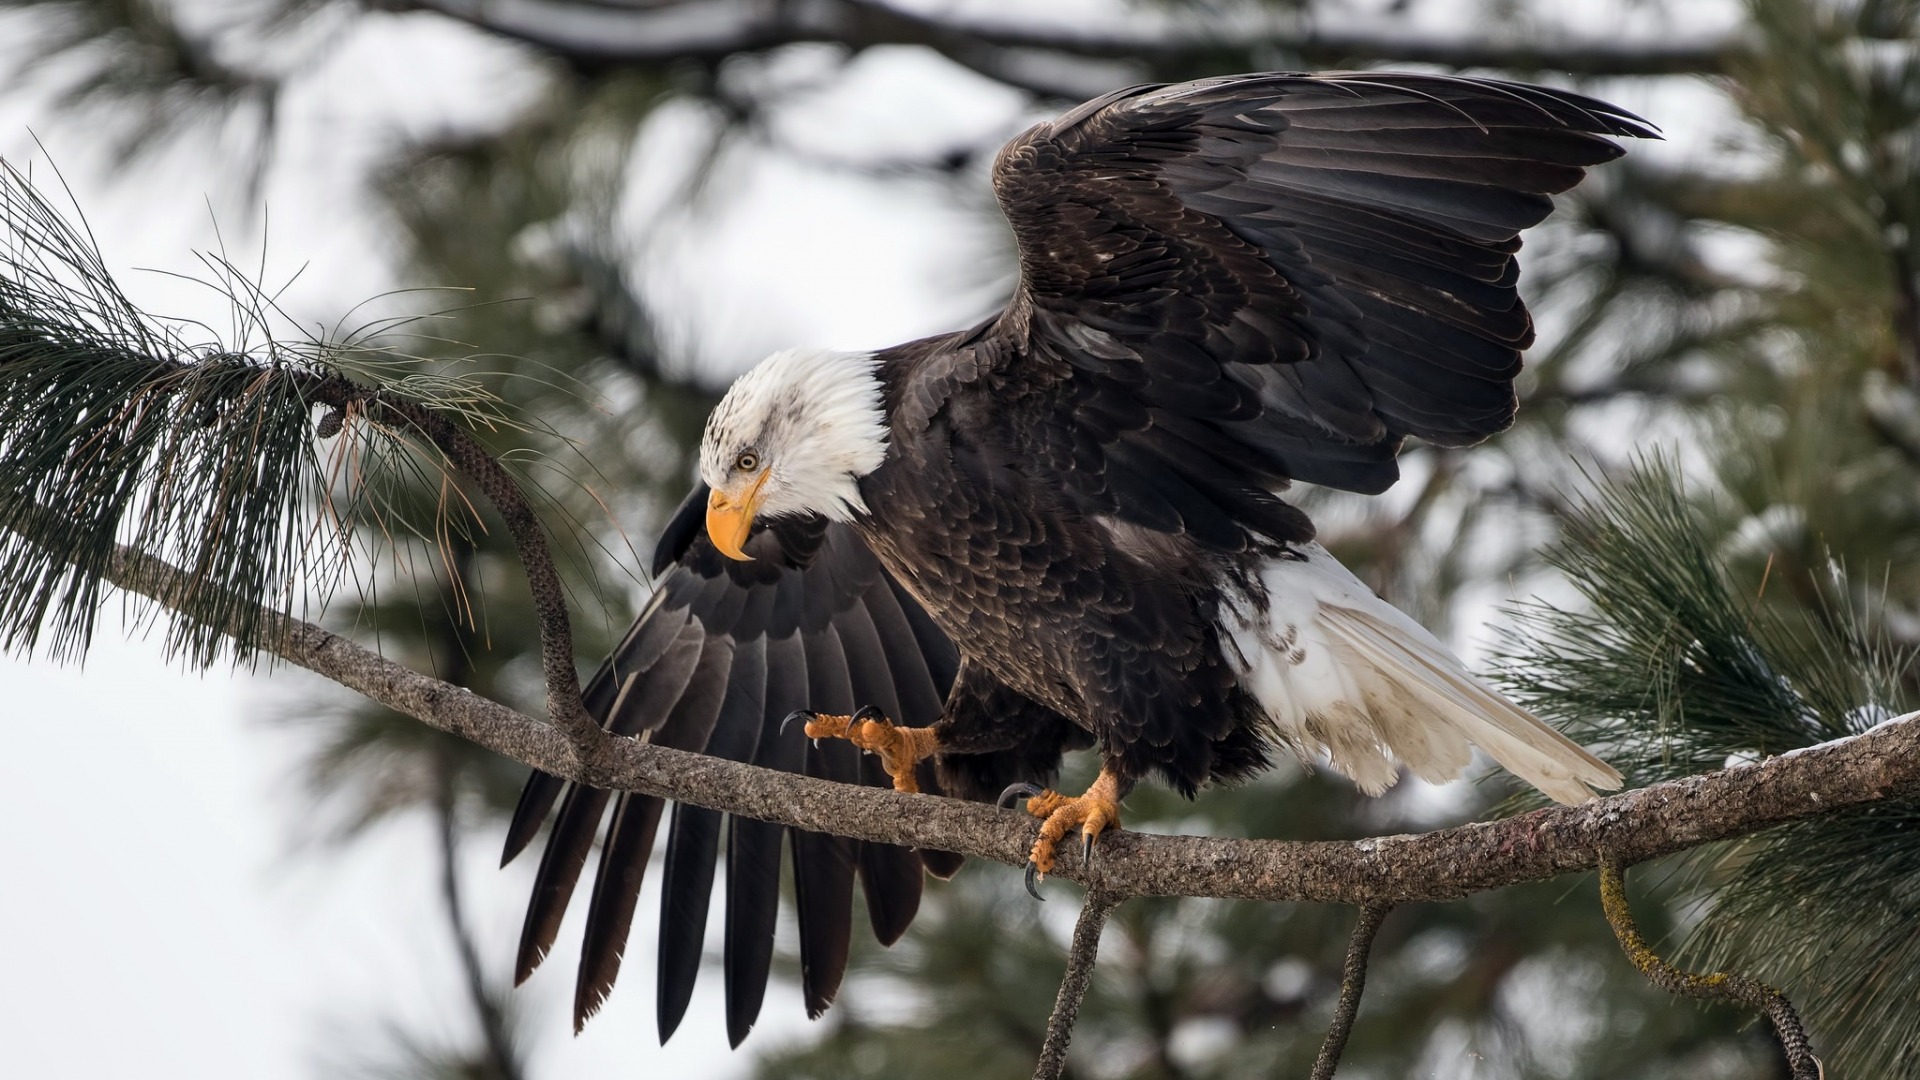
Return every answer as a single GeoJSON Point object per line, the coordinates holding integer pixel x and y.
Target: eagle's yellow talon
{"type": "Point", "coordinates": [901, 749]}
{"type": "Point", "coordinates": [1094, 812]}
{"type": "Point", "coordinates": [827, 726]}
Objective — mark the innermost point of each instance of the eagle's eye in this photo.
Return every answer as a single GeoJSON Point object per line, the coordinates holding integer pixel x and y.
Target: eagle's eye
{"type": "Point", "coordinates": [747, 462]}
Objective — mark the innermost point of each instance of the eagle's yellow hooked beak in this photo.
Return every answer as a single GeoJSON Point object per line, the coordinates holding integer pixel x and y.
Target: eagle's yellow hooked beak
{"type": "Point", "coordinates": [730, 516]}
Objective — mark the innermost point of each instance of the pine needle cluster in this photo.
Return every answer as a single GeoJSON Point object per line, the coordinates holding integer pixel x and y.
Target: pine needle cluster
{"type": "Point", "coordinates": [117, 428]}
{"type": "Point", "coordinates": [1672, 668]}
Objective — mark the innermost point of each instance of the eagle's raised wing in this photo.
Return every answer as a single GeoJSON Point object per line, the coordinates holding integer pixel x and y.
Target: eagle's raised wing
{"type": "Point", "coordinates": [721, 654]}
{"type": "Point", "coordinates": [1235, 282]}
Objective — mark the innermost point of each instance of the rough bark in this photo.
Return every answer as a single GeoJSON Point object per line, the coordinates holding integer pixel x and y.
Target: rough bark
{"type": "Point", "coordinates": [1717, 986]}
{"type": "Point", "coordinates": [1098, 904]}
{"type": "Point", "coordinates": [1443, 865]}
{"type": "Point", "coordinates": [1353, 983]}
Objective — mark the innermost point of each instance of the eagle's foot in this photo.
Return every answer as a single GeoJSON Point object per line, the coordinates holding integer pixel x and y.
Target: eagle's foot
{"type": "Point", "coordinates": [1094, 812]}
{"type": "Point", "coordinates": [901, 749]}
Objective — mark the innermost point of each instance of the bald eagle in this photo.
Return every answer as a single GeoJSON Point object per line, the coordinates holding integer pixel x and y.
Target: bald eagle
{"type": "Point", "coordinates": [1064, 527]}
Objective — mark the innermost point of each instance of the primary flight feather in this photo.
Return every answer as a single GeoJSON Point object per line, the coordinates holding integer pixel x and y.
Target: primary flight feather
{"type": "Point", "coordinates": [1064, 528]}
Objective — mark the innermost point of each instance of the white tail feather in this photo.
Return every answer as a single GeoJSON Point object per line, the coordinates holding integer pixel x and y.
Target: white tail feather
{"type": "Point", "coordinates": [1338, 669]}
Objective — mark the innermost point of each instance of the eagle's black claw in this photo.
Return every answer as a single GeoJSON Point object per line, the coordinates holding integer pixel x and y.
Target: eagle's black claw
{"type": "Point", "coordinates": [1086, 851]}
{"type": "Point", "coordinates": [1033, 881]}
{"type": "Point", "coordinates": [803, 715]}
{"type": "Point", "coordinates": [1015, 792]}
{"type": "Point", "coordinates": [868, 712]}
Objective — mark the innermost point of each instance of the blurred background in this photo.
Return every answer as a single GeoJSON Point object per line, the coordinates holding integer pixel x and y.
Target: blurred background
{"type": "Point", "coordinates": [264, 877]}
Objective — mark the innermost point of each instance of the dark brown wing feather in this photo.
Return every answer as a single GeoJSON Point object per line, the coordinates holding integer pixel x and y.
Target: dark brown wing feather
{"type": "Point", "coordinates": [1231, 283]}
{"type": "Point", "coordinates": [720, 656]}
{"type": "Point", "coordinates": [1225, 285]}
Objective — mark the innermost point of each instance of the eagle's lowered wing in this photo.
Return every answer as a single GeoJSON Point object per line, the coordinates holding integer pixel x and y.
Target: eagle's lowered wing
{"type": "Point", "coordinates": [1249, 279]}
{"type": "Point", "coordinates": [723, 652]}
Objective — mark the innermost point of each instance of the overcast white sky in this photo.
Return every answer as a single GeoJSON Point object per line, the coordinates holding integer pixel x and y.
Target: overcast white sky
{"type": "Point", "coordinates": [155, 920]}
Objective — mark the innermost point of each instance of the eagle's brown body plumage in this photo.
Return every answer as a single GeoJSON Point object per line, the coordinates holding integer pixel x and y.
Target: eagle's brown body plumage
{"type": "Point", "coordinates": [1087, 625]}
{"type": "Point", "coordinates": [1076, 536]}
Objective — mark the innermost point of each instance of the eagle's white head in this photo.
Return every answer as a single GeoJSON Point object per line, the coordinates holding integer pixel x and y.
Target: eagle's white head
{"type": "Point", "coordinates": [792, 436]}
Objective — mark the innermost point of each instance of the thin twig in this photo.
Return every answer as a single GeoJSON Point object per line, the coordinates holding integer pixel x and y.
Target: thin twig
{"type": "Point", "coordinates": [1718, 986]}
{"type": "Point", "coordinates": [1099, 904]}
{"type": "Point", "coordinates": [503, 1062]}
{"type": "Point", "coordinates": [464, 453]}
{"type": "Point", "coordinates": [1353, 982]}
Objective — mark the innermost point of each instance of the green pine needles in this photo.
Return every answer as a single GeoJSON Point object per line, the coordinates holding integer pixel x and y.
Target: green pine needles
{"type": "Point", "coordinates": [1669, 670]}
{"type": "Point", "coordinates": [117, 430]}
{"type": "Point", "coordinates": [1673, 668]}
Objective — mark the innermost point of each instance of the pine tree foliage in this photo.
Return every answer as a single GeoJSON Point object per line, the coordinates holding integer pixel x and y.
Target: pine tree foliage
{"type": "Point", "coordinates": [1826, 419]}
{"type": "Point", "coordinates": [455, 607]}
{"type": "Point", "coordinates": [1635, 308]}
{"type": "Point", "coordinates": [520, 212]}
{"type": "Point", "coordinates": [120, 429]}
{"type": "Point", "coordinates": [114, 428]}
{"type": "Point", "coordinates": [1773, 608]}
{"type": "Point", "coordinates": [1675, 668]}
{"type": "Point", "coordinates": [1829, 908]}
{"type": "Point", "coordinates": [1668, 668]}
{"type": "Point", "coordinates": [145, 76]}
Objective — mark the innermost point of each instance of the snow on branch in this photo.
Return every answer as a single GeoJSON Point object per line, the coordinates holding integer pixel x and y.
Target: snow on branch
{"type": "Point", "coordinates": [1045, 58]}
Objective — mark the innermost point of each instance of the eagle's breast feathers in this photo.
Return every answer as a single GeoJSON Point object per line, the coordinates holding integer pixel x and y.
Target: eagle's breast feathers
{"type": "Point", "coordinates": [1067, 526]}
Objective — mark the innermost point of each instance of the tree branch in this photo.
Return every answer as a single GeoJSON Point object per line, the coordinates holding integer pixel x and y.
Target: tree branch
{"type": "Point", "coordinates": [502, 1062]}
{"type": "Point", "coordinates": [1031, 57]}
{"type": "Point", "coordinates": [1353, 982]}
{"type": "Point", "coordinates": [1073, 985]}
{"type": "Point", "coordinates": [1444, 865]}
{"type": "Point", "coordinates": [1719, 986]}
{"type": "Point", "coordinates": [465, 454]}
